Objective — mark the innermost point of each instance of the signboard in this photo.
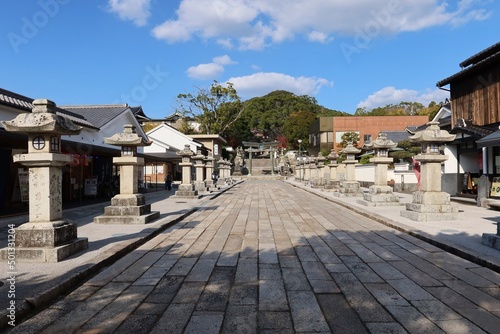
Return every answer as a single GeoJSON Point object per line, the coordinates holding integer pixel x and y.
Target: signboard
{"type": "Point", "coordinates": [90, 187]}
{"type": "Point", "coordinates": [495, 187]}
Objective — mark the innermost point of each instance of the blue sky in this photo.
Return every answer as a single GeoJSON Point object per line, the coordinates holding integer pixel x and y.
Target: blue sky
{"type": "Point", "coordinates": [346, 54]}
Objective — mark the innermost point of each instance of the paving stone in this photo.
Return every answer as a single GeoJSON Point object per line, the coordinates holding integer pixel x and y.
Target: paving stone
{"type": "Point", "coordinates": [363, 272]}
{"type": "Point", "coordinates": [386, 295]}
{"type": "Point", "coordinates": [137, 324]}
{"type": "Point", "coordinates": [295, 279]}
{"type": "Point", "coordinates": [116, 312]}
{"type": "Point", "coordinates": [39, 322]}
{"type": "Point", "coordinates": [147, 308]}
{"type": "Point", "coordinates": [416, 275]}
{"type": "Point", "coordinates": [134, 271]}
{"type": "Point", "coordinates": [435, 310]}
{"type": "Point", "coordinates": [488, 274]}
{"type": "Point", "coordinates": [386, 271]}
{"type": "Point", "coordinates": [412, 320]}
{"type": "Point", "coordinates": [337, 268]}
{"type": "Point", "coordinates": [189, 293]}
{"type": "Point", "coordinates": [166, 261]}
{"type": "Point", "coordinates": [315, 270]}
{"type": "Point", "coordinates": [174, 319]}
{"type": "Point", "coordinates": [385, 327]}
{"type": "Point", "coordinates": [204, 323]}
{"type": "Point", "coordinates": [361, 299]}
{"type": "Point", "coordinates": [201, 271]}
{"type": "Point", "coordinates": [215, 295]}
{"type": "Point", "coordinates": [247, 271]}
{"type": "Point", "coordinates": [165, 290]}
{"type": "Point", "coordinates": [306, 254]}
{"type": "Point", "coordinates": [364, 253]}
{"type": "Point", "coordinates": [324, 286]}
{"type": "Point", "coordinates": [475, 295]}
{"type": "Point", "coordinates": [481, 318]}
{"type": "Point", "coordinates": [240, 319]}
{"type": "Point", "coordinates": [459, 326]}
{"type": "Point", "coordinates": [278, 321]}
{"type": "Point", "coordinates": [243, 295]}
{"type": "Point", "coordinates": [272, 296]}
{"type": "Point", "coordinates": [409, 290]}
{"type": "Point", "coordinates": [340, 316]}
{"type": "Point", "coordinates": [73, 320]}
{"type": "Point", "coordinates": [183, 266]}
{"type": "Point", "coordinates": [306, 313]}
{"type": "Point", "coordinates": [109, 273]}
{"type": "Point", "coordinates": [289, 261]}
{"type": "Point", "coordinates": [269, 271]}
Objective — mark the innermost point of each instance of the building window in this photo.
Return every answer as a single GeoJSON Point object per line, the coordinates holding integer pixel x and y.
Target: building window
{"type": "Point", "coordinates": [367, 138]}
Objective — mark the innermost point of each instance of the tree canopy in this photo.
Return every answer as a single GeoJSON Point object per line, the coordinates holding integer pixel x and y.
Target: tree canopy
{"type": "Point", "coordinates": [216, 109]}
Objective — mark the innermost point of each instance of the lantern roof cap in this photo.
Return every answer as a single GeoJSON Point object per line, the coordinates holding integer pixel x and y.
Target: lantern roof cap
{"type": "Point", "coordinates": [42, 119]}
{"type": "Point", "coordinates": [127, 138]}
{"type": "Point", "coordinates": [381, 142]}
{"type": "Point", "coordinates": [186, 151]}
{"type": "Point", "coordinates": [350, 149]}
{"type": "Point", "coordinates": [333, 154]}
{"type": "Point", "coordinates": [432, 134]}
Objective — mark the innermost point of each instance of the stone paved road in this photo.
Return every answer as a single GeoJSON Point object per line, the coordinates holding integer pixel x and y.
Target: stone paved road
{"type": "Point", "coordinates": [266, 257]}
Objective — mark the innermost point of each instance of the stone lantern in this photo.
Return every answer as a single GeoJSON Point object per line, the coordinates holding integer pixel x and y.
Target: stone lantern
{"type": "Point", "coordinates": [209, 170]}
{"type": "Point", "coordinates": [46, 237]}
{"type": "Point", "coordinates": [430, 203]}
{"type": "Point", "coordinates": [350, 187]}
{"type": "Point", "coordinates": [199, 165]}
{"type": "Point", "coordinates": [331, 181]}
{"type": "Point", "coordinates": [380, 194]}
{"type": "Point", "coordinates": [319, 181]}
{"type": "Point", "coordinates": [186, 188]}
{"type": "Point", "coordinates": [129, 206]}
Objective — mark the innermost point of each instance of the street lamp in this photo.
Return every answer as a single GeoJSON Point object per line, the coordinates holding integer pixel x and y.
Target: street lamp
{"type": "Point", "coordinates": [300, 153]}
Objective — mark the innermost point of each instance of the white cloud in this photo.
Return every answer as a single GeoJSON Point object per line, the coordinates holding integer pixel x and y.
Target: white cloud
{"type": "Point", "coordinates": [391, 95]}
{"type": "Point", "coordinates": [137, 11]}
{"type": "Point", "coordinates": [211, 70]}
{"type": "Point", "coordinates": [255, 24]}
{"type": "Point", "coordinates": [261, 83]}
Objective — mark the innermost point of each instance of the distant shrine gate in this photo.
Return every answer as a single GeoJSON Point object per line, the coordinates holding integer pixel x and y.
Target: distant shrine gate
{"type": "Point", "coordinates": [254, 147]}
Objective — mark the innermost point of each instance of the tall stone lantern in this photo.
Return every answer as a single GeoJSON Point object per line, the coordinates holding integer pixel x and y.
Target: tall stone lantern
{"type": "Point", "coordinates": [331, 181]}
{"type": "Point", "coordinates": [430, 203]}
{"type": "Point", "coordinates": [350, 187]}
{"type": "Point", "coordinates": [380, 194]}
{"type": "Point", "coordinates": [46, 237]}
{"type": "Point", "coordinates": [129, 206]}
{"type": "Point", "coordinates": [319, 181]}
{"type": "Point", "coordinates": [199, 165]}
{"type": "Point", "coordinates": [186, 188]}
{"type": "Point", "coordinates": [209, 169]}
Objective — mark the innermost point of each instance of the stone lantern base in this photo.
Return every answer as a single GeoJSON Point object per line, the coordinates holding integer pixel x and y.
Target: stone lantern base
{"type": "Point", "coordinates": [379, 196]}
{"type": "Point", "coordinates": [46, 242]}
{"type": "Point", "coordinates": [186, 191]}
{"type": "Point", "coordinates": [348, 189]}
{"type": "Point", "coordinates": [127, 209]}
{"type": "Point", "coordinates": [429, 206]}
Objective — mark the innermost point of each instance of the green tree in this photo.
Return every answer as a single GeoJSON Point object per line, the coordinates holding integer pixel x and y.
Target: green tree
{"type": "Point", "coordinates": [216, 109]}
{"type": "Point", "coordinates": [348, 137]}
{"type": "Point", "coordinates": [409, 149]}
{"type": "Point", "coordinates": [296, 127]}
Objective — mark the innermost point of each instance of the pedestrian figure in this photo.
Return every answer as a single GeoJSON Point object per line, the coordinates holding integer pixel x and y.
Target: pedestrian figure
{"type": "Point", "coordinates": [168, 181]}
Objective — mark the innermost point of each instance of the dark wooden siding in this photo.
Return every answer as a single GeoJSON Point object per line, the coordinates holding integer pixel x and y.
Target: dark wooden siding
{"type": "Point", "coordinates": [477, 97]}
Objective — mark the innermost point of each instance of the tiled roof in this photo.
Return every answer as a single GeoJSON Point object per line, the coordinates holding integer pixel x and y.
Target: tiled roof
{"type": "Point", "coordinates": [99, 115]}
{"type": "Point", "coordinates": [464, 126]}
{"type": "Point", "coordinates": [21, 102]}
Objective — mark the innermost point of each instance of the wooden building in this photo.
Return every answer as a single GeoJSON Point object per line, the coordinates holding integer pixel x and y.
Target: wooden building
{"type": "Point", "coordinates": [475, 117]}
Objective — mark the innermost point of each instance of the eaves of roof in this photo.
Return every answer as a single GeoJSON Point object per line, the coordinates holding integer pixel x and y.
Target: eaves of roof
{"type": "Point", "coordinates": [471, 69]}
{"type": "Point", "coordinates": [475, 131]}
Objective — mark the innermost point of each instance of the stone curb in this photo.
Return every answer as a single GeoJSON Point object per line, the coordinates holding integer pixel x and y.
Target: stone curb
{"type": "Point", "coordinates": [36, 303]}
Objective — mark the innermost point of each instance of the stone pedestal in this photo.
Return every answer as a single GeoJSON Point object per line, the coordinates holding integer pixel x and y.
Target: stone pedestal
{"type": "Point", "coordinates": [492, 240]}
{"type": "Point", "coordinates": [380, 194]}
{"type": "Point", "coordinates": [430, 205]}
{"type": "Point", "coordinates": [127, 209]}
{"type": "Point", "coordinates": [199, 183]}
{"type": "Point", "coordinates": [349, 187]}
